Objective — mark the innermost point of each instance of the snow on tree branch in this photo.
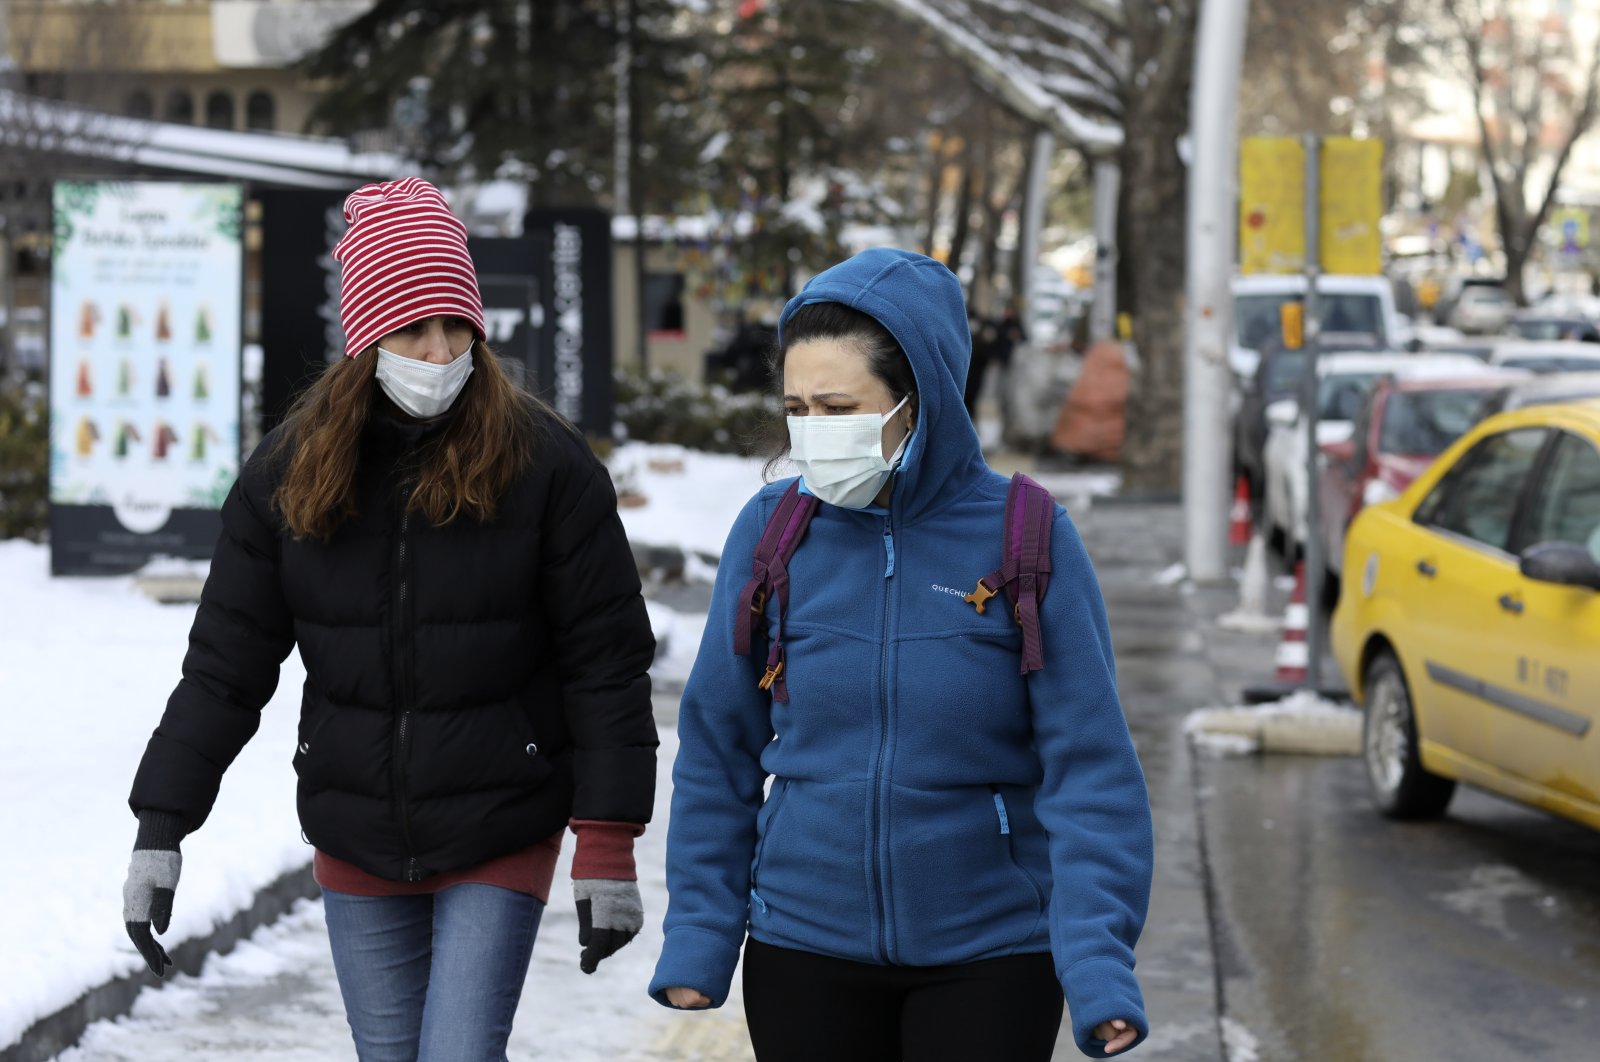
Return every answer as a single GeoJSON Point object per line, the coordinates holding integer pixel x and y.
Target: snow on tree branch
{"type": "Point", "coordinates": [1081, 110]}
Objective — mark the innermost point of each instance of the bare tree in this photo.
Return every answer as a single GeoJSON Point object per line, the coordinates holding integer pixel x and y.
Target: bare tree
{"type": "Point", "coordinates": [1108, 77]}
{"type": "Point", "coordinates": [1534, 97]}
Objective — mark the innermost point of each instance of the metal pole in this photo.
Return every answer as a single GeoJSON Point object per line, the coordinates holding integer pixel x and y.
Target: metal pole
{"type": "Point", "coordinates": [1212, 229]}
{"type": "Point", "coordinates": [1308, 406]}
{"type": "Point", "coordinates": [1103, 312]}
{"type": "Point", "coordinates": [1044, 150]}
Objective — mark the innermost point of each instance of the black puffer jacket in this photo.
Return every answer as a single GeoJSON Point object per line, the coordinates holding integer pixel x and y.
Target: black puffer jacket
{"type": "Point", "coordinates": [469, 687]}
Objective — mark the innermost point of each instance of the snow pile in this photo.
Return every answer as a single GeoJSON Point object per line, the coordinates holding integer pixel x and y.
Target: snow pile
{"type": "Point", "coordinates": [85, 670]}
{"type": "Point", "coordinates": [1301, 722]}
{"type": "Point", "coordinates": [678, 637]}
{"type": "Point", "coordinates": [690, 499]}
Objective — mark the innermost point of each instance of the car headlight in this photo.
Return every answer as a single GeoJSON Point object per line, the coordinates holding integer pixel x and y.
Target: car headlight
{"type": "Point", "coordinates": [1378, 490]}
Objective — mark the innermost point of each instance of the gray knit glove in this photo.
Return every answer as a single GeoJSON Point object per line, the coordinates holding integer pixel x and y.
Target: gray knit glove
{"type": "Point", "coordinates": [610, 914]}
{"type": "Point", "coordinates": [152, 880]}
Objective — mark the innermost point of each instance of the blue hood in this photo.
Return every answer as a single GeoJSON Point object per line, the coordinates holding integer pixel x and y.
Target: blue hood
{"type": "Point", "coordinates": [919, 301]}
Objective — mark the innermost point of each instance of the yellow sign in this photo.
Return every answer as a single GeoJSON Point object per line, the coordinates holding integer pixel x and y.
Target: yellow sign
{"type": "Point", "coordinates": [1272, 204]}
{"type": "Point", "coordinates": [1352, 203]}
{"type": "Point", "coordinates": [1272, 195]}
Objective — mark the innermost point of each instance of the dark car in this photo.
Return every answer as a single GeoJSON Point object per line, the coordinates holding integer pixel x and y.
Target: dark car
{"type": "Point", "coordinates": [1279, 374]}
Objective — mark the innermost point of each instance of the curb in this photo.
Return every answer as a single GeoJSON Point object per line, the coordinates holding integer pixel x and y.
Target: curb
{"type": "Point", "coordinates": [54, 1033]}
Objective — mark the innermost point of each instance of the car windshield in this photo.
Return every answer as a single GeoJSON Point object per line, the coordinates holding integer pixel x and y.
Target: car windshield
{"type": "Point", "coordinates": [1424, 423]}
{"type": "Point", "coordinates": [1339, 396]}
{"type": "Point", "coordinates": [1548, 328]}
{"type": "Point", "coordinates": [1257, 323]}
{"type": "Point", "coordinates": [1285, 370]}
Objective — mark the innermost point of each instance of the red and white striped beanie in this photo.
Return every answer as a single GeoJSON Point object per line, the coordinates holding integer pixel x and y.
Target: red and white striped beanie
{"type": "Point", "coordinates": [404, 258]}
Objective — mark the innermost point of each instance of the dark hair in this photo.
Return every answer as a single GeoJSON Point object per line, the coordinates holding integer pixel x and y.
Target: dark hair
{"type": "Point", "coordinates": [834, 320]}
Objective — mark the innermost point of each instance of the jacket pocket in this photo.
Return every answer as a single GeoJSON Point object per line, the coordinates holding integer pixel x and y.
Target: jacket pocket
{"type": "Point", "coordinates": [1003, 814]}
{"type": "Point", "coordinates": [956, 881]}
{"type": "Point", "coordinates": [765, 825]}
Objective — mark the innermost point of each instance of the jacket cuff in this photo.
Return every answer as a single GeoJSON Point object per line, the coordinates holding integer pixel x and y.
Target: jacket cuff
{"type": "Point", "coordinates": [1100, 990]}
{"type": "Point", "coordinates": [604, 850]}
{"type": "Point", "coordinates": [697, 959]}
{"type": "Point", "coordinates": [159, 831]}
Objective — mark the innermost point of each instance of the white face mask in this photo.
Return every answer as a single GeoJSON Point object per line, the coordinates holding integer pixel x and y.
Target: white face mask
{"type": "Point", "coordinates": [841, 458]}
{"type": "Point", "coordinates": [422, 388]}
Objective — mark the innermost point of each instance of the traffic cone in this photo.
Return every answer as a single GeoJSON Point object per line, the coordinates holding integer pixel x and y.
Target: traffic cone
{"type": "Point", "coordinates": [1294, 655]}
{"type": "Point", "coordinates": [1239, 515]}
{"type": "Point", "coordinates": [1251, 615]}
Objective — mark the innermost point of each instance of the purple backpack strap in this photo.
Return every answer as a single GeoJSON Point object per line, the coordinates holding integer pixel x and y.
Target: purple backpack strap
{"type": "Point", "coordinates": [1024, 572]}
{"type": "Point", "coordinates": [770, 576]}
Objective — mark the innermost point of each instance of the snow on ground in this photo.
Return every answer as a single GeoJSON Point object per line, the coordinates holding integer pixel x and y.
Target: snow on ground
{"type": "Point", "coordinates": [1301, 722]}
{"type": "Point", "coordinates": [690, 498]}
{"type": "Point", "coordinates": [86, 666]}
{"type": "Point", "coordinates": [678, 637]}
{"type": "Point", "coordinates": [276, 999]}
{"type": "Point", "coordinates": [85, 670]}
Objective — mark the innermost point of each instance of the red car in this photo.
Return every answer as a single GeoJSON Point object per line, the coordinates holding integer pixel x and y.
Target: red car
{"type": "Point", "coordinates": [1403, 425]}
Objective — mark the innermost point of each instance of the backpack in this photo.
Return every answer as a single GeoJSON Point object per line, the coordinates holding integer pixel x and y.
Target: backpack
{"type": "Point", "coordinates": [1024, 574]}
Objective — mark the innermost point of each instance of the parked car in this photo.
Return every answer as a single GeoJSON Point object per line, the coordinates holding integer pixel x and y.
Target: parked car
{"type": "Point", "coordinates": [1342, 380]}
{"type": "Point", "coordinates": [1278, 375]}
{"type": "Point", "coordinates": [1542, 390]}
{"type": "Point", "coordinates": [1540, 324]}
{"type": "Point", "coordinates": [1405, 424]}
{"type": "Point", "coordinates": [1482, 310]}
{"type": "Point", "coordinates": [1455, 287]}
{"type": "Point", "coordinates": [1547, 356]}
{"type": "Point", "coordinates": [1345, 304]}
{"type": "Point", "coordinates": [1442, 339]}
{"type": "Point", "coordinates": [1472, 635]}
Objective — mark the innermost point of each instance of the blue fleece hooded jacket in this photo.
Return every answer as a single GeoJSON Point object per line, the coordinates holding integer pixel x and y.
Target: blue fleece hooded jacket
{"type": "Point", "coordinates": [928, 804]}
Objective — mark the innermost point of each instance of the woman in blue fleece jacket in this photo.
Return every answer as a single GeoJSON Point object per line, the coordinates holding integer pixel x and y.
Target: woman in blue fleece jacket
{"type": "Point", "coordinates": [947, 845]}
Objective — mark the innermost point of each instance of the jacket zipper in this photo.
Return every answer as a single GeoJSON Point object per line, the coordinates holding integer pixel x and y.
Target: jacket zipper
{"type": "Point", "coordinates": [780, 790]}
{"type": "Point", "coordinates": [403, 683]}
{"type": "Point", "coordinates": [885, 952]}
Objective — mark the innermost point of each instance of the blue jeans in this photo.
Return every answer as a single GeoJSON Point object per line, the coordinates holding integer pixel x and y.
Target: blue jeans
{"type": "Point", "coordinates": [432, 978]}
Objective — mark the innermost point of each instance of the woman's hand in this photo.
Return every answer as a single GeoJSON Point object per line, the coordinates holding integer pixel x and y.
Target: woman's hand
{"type": "Point", "coordinates": [689, 999]}
{"type": "Point", "coordinates": [1117, 1034]}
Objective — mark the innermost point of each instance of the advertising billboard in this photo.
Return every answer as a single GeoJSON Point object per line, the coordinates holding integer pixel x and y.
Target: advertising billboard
{"type": "Point", "coordinates": [145, 296]}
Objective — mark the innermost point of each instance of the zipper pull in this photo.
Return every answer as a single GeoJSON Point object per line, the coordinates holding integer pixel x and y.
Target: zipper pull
{"type": "Point", "coordinates": [888, 549]}
{"type": "Point", "coordinates": [1000, 809]}
{"type": "Point", "coordinates": [758, 901]}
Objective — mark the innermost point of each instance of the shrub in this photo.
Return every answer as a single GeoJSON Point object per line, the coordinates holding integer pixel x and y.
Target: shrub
{"type": "Point", "coordinates": [663, 406]}
{"type": "Point", "coordinates": [24, 464]}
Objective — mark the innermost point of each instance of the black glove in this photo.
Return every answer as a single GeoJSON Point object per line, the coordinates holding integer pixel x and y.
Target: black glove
{"type": "Point", "coordinates": [152, 879]}
{"type": "Point", "coordinates": [610, 914]}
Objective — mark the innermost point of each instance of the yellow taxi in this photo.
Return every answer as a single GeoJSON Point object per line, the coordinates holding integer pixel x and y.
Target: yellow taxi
{"type": "Point", "coordinates": [1469, 622]}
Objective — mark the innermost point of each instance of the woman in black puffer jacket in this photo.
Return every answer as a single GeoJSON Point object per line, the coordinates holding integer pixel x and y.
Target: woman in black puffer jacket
{"type": "Point", "coordinates": [446, 553]}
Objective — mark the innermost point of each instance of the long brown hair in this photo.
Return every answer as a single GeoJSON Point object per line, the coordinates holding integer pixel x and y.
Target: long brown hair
{"type": "Point", "coordinates": [493, 429]}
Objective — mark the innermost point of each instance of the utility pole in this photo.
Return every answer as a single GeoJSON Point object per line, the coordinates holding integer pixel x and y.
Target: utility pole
{"type": "Point", "coordinates": [1107, 187]}
{"type": "Point", "coordinates": [626, 154]}
{"type": "Point", "coordinates": [1219, 53]}
{"type": "Point", "coordinates": [1044, 150]}
{"type": "Point", "coordinates": [1309, 411]}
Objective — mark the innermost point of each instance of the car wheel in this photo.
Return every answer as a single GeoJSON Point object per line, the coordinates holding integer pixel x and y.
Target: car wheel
{"type": "Point", "coordinates": [1401, 789]}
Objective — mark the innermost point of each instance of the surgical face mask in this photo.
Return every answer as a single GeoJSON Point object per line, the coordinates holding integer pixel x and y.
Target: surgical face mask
{"type": "Point", "coordinates": [841, 458]}
{"type": "Point", "coordinates": [422, 388]}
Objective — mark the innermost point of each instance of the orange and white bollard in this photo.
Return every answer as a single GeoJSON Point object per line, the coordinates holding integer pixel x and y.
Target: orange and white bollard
{"type": "Point", "coordinates": [1294, 654]}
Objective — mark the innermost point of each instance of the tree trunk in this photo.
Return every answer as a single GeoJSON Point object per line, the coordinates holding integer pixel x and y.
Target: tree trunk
{"type": "Point", "coordinates": [958, 239]}
{"type": "Point", "coordinates": [1154, 187]}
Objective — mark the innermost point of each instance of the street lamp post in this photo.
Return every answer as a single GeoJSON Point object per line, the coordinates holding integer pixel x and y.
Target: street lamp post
{"type": "Point", "coordinates": [1219, 53]}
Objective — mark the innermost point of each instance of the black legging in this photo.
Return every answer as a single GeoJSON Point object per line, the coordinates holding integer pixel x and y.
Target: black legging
{"type": "Point", "coordinates": [806, 1008]}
